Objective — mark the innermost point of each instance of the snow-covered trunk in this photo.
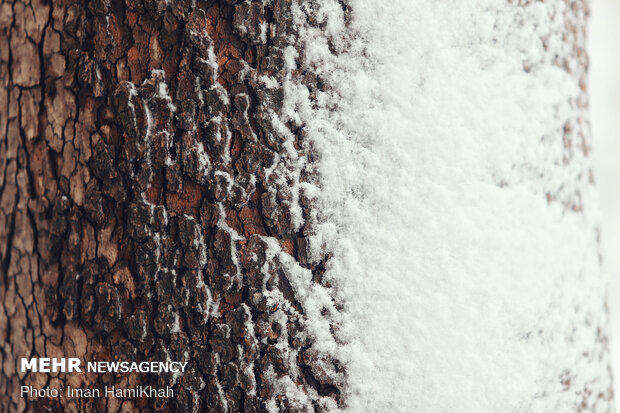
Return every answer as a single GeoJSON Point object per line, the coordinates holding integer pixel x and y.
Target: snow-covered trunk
{"type": "Point", "coordinates": [454, 198]}
{"type": "Point", "coordinates": [319, 205]}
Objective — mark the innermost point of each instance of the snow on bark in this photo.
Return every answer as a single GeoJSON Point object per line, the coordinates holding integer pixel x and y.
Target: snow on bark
{"type": "Point", "coordinates": [320, 205]}
{"type": "Point", "coordinates": [150, 205]}
{"type": "Point", "coordinates": [453, 196]}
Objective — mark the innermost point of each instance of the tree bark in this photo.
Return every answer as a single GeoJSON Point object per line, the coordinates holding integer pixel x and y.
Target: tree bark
{"type": "Point", "coordinates": [144, 190]}
{"type": "Point", "coordinates": [150, 205]}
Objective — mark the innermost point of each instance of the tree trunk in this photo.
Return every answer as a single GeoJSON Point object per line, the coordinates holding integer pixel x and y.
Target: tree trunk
{"type": "Point", "coordinates": [145, 201]}
{"type": "Point", "coordinates": [152, 207]}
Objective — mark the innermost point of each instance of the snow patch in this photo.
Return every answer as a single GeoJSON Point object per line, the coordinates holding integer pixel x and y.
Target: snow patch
{"type": "Point", "coordinates": [461, 224]}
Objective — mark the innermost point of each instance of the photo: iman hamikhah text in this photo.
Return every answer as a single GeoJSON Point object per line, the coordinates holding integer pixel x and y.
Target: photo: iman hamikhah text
{"type": "Point", "coordinates": [107, 391]}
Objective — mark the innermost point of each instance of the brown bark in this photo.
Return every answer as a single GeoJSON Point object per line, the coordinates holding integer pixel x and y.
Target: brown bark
{"type": "Point", "coordinates": [139, 175]}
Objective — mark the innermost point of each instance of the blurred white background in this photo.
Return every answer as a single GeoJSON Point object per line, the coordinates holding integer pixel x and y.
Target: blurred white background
{"type": "Point", "coordinates": [604, 45]}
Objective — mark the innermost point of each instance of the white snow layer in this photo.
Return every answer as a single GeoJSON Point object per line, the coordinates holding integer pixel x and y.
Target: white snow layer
{"type": "Point", "coordinates": [461, 225]}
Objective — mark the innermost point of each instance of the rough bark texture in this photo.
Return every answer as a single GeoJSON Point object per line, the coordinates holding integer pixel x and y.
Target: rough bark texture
{"type": "Point", "coordinates": [145, 195]}
{"type": "Point", "coordinates": [142, 186]}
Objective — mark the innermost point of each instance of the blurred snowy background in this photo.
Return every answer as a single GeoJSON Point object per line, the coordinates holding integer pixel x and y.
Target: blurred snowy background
{"type": "Point", "coordinates": [604, 44]}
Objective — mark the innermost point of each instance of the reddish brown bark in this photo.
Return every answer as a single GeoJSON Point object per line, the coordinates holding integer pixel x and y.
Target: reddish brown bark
{"type": "Point", "coordinates": [135, 142]}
